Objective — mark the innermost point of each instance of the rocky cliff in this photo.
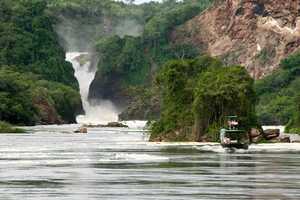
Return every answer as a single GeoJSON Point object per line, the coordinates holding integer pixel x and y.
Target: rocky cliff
{"type": "Point", "coordinates": [253, 33]}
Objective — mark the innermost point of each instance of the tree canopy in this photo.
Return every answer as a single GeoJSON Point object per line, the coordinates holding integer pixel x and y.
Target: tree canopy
{"type": "Point", "coordinates": [200, 93]}
{"type": "Point", "coordinates": [37, 85]}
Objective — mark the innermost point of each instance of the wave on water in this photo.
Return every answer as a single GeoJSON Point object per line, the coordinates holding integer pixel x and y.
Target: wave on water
{"type": "Point", "coordinates": [135, 124]}
{"type": "Point", "coordinates": [277, 147]}
{"type": "Point", "coordinates": [254, 148]}
{"type": "Point", "coordinates": [134, 157]}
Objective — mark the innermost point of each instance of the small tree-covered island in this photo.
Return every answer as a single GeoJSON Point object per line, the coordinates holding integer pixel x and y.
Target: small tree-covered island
{"type": "Point", "coordinates": [198, 95]}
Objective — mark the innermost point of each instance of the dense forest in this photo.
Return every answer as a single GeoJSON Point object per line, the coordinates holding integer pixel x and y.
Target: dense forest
{"type": "Point", "coordinates": [36, 84]}
{"type": "Point", "coordinates": [279, 95]}
{"type": "Point", "coordinates": [198, 94]}
{"type": "Point", "coordinates": [131, 61]}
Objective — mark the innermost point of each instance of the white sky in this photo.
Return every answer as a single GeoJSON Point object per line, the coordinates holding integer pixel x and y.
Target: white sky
{"type": "Point", "coordinates": [143, 1]}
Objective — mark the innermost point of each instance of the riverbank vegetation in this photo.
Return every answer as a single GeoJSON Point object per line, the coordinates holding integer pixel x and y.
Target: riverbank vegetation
{"type": "Point", "coordinates": [197, 95]}
{"type": "Point", "coordinates": [8, 128]}
{"type": "Point", "coordinates": [26, 99]}
{"type": "Point", "coordinates": [37, 85]}
{"type": "Point", "coordinates": [279, 95]}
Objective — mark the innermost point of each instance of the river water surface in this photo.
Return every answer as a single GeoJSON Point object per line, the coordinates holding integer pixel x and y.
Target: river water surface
{"type": "Point", "coordinates": [53, 163]}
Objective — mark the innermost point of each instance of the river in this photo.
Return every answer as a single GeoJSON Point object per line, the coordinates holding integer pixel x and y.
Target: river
{"type": "Point", "coordinates": [51, 162]}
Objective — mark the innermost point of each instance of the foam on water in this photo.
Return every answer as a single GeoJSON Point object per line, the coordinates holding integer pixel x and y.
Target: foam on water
{"type": "Point", "coordinates": [119, 165]}
{"type": "Point", "coordinates": [254, 148]}
{"type": "Point", "coordinates": [278, 147]}
{"type": "Point", "coordinates": [134, 157]}
{"type": "Point", "coordinates": [135, 124]}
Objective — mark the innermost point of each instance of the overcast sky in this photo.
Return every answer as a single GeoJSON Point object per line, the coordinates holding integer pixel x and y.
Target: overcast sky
{"type": "Point", "coordinates": [144, 1]}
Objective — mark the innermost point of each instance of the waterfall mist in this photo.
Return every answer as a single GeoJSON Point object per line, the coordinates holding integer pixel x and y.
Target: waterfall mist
{"type": "Point", "coordinates": [96, 112]}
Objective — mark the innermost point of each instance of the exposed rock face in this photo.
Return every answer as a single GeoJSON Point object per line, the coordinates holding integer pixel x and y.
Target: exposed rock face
{"type": "Point", "coordinates": [48, 113]}
{"type": "Point", "coordinates": [271, 134]}
{"type": "Point", "coordinates": [256, 135]}
{"type": "Point", "coordinates": [254, 33]}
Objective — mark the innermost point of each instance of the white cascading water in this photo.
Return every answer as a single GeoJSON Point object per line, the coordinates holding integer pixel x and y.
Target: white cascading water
{"type": "Point", "coordinates": [100, 112]}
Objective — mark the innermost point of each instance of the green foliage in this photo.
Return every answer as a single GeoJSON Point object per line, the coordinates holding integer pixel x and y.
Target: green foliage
{"type": "Point", "coordinates": [23, 94]}
{"type": "Point", "coordinates": [221, 92]}
{"type": "Point", "coordinates": [203, 92]}
{"type": "Point", "coordinates": [294, 130]}
{"type": "Point", "coordinates": [294, 124]}
{"type": "Point", "coordinates": [7, 128]}
{"type": "Point", "coordinates": [144, 104]}
{"type": "Point", "coordinates": [30, 54]}
{"type": "Point", "coordinates": [158, 27]}
{"type": "Point", "coordinates": [29, 42]}
{"type": "Point", "coordinates": [132, 61]}
{"type": "Point", "coordinates": [277, 93]}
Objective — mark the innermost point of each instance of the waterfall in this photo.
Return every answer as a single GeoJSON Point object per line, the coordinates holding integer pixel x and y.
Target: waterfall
{"type": "Point", "coordinates": [99, 112]}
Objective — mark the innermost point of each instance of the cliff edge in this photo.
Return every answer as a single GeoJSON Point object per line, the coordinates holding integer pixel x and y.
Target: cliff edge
{"type": "Point", "coordinates": [254, 33]}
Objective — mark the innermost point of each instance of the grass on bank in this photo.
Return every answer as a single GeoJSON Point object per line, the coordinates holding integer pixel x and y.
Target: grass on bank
{"type": "Point", "coordinates": [8, 128]}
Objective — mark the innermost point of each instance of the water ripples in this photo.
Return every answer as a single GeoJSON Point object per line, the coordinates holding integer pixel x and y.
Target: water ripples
{"type": "Point", "coordinates": [119, 164]}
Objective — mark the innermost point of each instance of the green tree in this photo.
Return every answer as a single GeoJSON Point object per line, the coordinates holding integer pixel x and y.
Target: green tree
{"type": "Point", "coordinates": [223, 92]}
{"type": "Point", "coordinates": [200, 93]}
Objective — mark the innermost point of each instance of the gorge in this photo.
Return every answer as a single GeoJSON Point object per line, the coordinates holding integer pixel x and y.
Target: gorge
{"type": "Point", "coordinates": [184, 67]}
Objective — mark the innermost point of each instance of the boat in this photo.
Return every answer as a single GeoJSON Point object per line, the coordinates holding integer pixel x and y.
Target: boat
{"type": "Point", "coordinates": [232, 137]}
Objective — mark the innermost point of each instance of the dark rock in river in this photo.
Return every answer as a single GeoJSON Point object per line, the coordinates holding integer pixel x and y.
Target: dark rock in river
{"type": "Point", "coordinates": [256, 135]}
{"type": "Point", "coordinates": [255, 132]}
{"type": "Point", "coordinates": [285, 139]}
{"type": "Point", "coordinates": [257, 139]}
{"type": "Point", "coordinates": [109, 125]}
{"type": "Point", "coordinates": [271, 133]}
{"type": "Point", "coordinates": [116, 124]}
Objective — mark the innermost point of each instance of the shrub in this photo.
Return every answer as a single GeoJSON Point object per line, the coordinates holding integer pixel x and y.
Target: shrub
{"type": "Point", "coordinates": [7, 128]}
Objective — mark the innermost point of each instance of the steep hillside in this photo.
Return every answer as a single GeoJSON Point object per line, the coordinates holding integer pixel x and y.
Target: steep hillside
{"type": "Point", "coordinates": [37, 85]}
{"type": "Point", "coordinates": [254, 33]}
{"type": "Point", "coordinates": [278, 93]}
{"type": "Point", "coordinates": [131, 61]}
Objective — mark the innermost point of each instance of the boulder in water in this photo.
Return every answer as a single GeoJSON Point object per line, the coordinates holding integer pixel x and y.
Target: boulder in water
{"type": "Point", "coordinates": [109, 125]}
{"type": "Point", "coordinates": [81, 130]}
{"type": "Point", "coordinates": [255, 133]}
{"type": "Point", "coordinates": [257, 139]}
{"type": "Point", "coordinates": [116, 125]}
{"type": "Point", "coordinates": [270, 134]}
{"type": "Point", "coordinates": [285, 139]}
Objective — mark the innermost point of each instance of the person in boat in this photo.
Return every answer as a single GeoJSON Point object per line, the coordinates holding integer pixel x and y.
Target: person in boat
{"type": "Point", "coordinates": [232, 137]}
{"type": "Point", "coordinates": [233, 124]}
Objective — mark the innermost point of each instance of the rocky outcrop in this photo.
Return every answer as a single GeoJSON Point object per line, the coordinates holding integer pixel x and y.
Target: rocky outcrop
{"type": "Point", "coordinates": [47, 112]}
{"type": "Point", "coordinates": [108, 125]}
{"type": "Point", "coordinates": [256, 135]}
{"type": "Point", "coordinates": [254, 33]}
{"type": "Point", "coordinates": [269, 136]}
{"type": "Point", "coordinates": [116, 125]}
{"type": "Point", "coordinates": [142, 109]}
